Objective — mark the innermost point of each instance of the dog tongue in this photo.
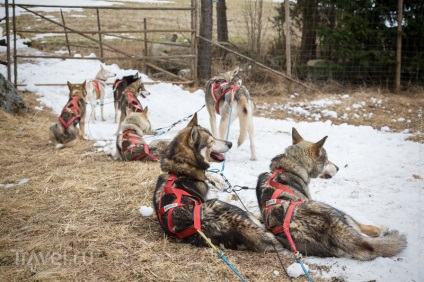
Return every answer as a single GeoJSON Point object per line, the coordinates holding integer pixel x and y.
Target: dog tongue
{"type": "Point", "coordinates": [218, 156]}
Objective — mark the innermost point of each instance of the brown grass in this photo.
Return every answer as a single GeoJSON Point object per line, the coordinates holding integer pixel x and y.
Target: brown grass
{"type": "Point", "coordinates": [77, 217]}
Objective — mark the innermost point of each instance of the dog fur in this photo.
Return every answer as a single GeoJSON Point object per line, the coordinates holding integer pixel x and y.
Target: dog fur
{"type": "Point", "coordinates": [317, 228]}
{"type": "Point", "coordinates": [140, 123]}
{"type": "Point", "coordinates": [94, 94]}
{"type": "Point", "coordinates": [64, 137]}
{"type": "Point", "coordinates": [119, 87]}
{"type": "Point", "coordinates": [188, 156]}
{"type": "Point", "coordinates": [242, 108]}
{"type": "Point", "coordinates": [137, 88]}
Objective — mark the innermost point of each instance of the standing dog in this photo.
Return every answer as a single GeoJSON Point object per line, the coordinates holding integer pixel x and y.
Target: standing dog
{"type": "Point", "coordinates": [130, 145]}
{"type": "Point", "coordinates": [64, 133]}
{"type": "Point", "coordinates": [119, 87]}
{"type": "Point", "coordinates": [130, 100]}
{"type": "Point", "coordinates": [223, 92]}
{"type": "Point", "coordinates": [316, 228]}
{"type": "Point", "coordinates": [180, 196]}
{"type": "Point", "coordinates": [96, 91]}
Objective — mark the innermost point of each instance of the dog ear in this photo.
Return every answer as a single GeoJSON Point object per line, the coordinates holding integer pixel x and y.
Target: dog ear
{"type": "Point", "coordinates": [193, 121]}
{"type": "Point", "coordinates": [101, 66]}
{"type": "Point", "coordinates": [83, 85]}
{"type": "Point", "coordinates": [69, 85]}
{"type": "Point", "coordinates": [145, 111]}
{"type": "Point", "coordinates": [194, 135]}
{"type": "Point", "coordinates": [136, 76]}
{"type": "Point", "coordinates": [296, 136]}
{"type": "Point", "coordinates": [235, 72]}
{"type": "Point", "coordinates": [316, 147]}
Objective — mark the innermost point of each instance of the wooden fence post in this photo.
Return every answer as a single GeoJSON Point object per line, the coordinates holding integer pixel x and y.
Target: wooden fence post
{"type": "Point", "coordinates": [15, 50]}
{"type": "Point", "coordinates": [145, 46]}
{"type": "Point", "coordinates": [288, 41]}
{"type": "Point", "coordinates": [66, 34]}
{"type": "Point", "coordinates": [100, 35]}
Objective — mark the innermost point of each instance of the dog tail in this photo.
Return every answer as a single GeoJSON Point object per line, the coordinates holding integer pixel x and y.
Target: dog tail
{"type": "Point", "coordinates": [389, 244]}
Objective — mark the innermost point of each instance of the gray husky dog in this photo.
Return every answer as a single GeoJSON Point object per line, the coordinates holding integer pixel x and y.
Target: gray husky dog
{"type": "Point", "coordinates": [180, 196]}
{"type": "Point", "coordinates": [222, 92]}
{"type": "Point", "coordinates": [315, 228]}
{"type": "Point", "coordinates": [64, 133]}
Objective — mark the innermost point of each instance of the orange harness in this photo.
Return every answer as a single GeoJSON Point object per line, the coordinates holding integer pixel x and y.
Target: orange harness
{"type": "Point", "coordinates": [97, 86]}
{"type": "Point", "coordinates": [69, 108]}
{"type": "Point", "coordinates": [196, 202]}
{"type": "Point", "coordinates": [133, 139]}
{"type": "Point", "coordinates": [279, 189]}
{"type": "Point", "coordinates": [133, 103]}
{"type": "Point", "coordinates": [215, 86]}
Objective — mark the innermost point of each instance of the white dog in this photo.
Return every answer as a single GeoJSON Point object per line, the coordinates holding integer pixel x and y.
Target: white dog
{"type": "Point", "coordinates": [96, 91]}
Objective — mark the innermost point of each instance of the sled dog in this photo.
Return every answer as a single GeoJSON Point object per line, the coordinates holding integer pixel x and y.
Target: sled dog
{"type": "Point", "coordinates": [64, 133]}
{"type": "Point", "coordinates": [180, 196]}
{"type": "Point", "coordinates": [223, 92]}
{"type": "Point", "coordinates": [96, 91]}
{"type": "Point", "coordinates": [119, 87]}
{"type": "Point", "coordinates": [316, 229]}
{"type": "Point", "coordinates": [130, 145]}
{"type": "Point", "coordinates": [130, 100]}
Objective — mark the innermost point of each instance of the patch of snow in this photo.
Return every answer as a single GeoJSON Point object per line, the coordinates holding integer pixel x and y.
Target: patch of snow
{"type": "Point", "coordinates": [146, 211]}
{"type": "Point", "coordinates": [295, 270]}
{"type": "Point", "coordinates": [385, 129]}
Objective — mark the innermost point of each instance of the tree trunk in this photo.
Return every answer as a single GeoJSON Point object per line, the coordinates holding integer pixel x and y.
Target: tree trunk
{"type": "Point", "coordinates": [10, 100]}
{"type": "Point", "coordinates": [221, 21]}
{"type": "Point", "coordinates": [308, 45]}
{"type": "Point", "coordinates": [205, 48]}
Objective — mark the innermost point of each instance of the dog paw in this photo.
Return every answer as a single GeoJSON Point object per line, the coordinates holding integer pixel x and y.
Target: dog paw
{"type": "Point", "coordinates": [253, 159]}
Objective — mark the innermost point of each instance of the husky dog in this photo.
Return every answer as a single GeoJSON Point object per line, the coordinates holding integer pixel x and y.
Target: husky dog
{"type": "Point", "coordinates": [96, 91]}
{"type": "Point", "coordinates": [119, 87]}
{"type": "Point", "coordinates": [130, 100]}
{"type": "Point", "coordinates": [130, 145]}
{"type": "Point", "coordinates": [223, 92]}
{"type": "Point", "coordinates": [180, 196]}
{"type": "Point", "coordinates": [64, 133]}
{"type": "Point", "coordinates": [316, 228]}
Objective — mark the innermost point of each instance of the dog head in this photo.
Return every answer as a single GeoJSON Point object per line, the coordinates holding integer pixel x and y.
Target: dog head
{"type": "Point", "coordinates": [105, 74]}
{"type": "Point", "coordinates": [77, 89]}
{"type": "Point", "coordinates": [138, 88]}
{"type": "Point", "coordinates": [232, 76]}
{"type": "Point", "coordinates": [312, 156]}
{"type": "Point", "coordinates": [195, 145]}
{"type": "Point", "coordinates": [139, 121]}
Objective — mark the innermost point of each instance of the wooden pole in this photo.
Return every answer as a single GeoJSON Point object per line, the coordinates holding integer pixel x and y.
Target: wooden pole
{"type": "Point", "coordinates": [259, 64]}
{"type": "Point", "coordinates": [288, 41]}
{"type": "Point", "coordinates": [9, 74]}
{"type": "Point", "coordinates": [66, 34]}
{"type": "Point", "coordinates": [15, 50]}
{"type": "Point", "coordinates": [194, 43]}
{"type": "Point", "coordinates": [145, 46]}
{"type": "Point", "coordinates": [399, 46]}
{"type": "Point", "coordinates": [100, 35]}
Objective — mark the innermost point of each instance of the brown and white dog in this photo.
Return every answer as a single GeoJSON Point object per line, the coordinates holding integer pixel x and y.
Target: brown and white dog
{"type": "Point", "coordinates": [64, 132]}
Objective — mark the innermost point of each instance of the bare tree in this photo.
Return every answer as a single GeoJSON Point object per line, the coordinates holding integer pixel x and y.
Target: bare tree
{"type": "Point", "coordinates": [253, 10]}
{"type": "Point", "coordinates": [221, 21]}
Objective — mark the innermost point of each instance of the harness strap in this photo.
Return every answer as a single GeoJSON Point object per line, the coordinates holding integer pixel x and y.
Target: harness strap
{"type": "Point", "coordinates": [197, 203]}
{"type": "Point", "coordinates": [288, 217]}
{"type": "Point", "coordinates": [70, 107]}
{"type": "Point", "coordinates": [97, 86]}
{"type": "Point", "coordinates": [116, 84]}
{"type": "Point", "coordinates": [134, 103]}
{"type": "Point", "coordinates": [215, 86]}
{"type": "Point", "coordinates": [133, 139]}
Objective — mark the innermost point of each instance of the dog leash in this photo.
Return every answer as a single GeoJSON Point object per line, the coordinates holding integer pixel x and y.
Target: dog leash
{"type": "Point", "coordinates": [220, 254]}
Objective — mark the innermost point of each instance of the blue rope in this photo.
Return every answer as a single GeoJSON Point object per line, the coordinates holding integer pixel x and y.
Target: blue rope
{"type": "Point", "coordinates": [304, 268]}
{"type": "Point", "coordinates": [221, 256]}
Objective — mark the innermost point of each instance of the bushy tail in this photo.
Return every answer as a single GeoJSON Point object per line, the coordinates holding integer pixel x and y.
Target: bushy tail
{"type": "Point", "coordinates": [389, 244]}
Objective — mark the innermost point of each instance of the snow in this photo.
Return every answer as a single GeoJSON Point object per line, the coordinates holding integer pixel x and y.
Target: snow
{"type": "Point", "coordinates": [295, 270]}
{"type": "Point", "coordinates": [146, 211]}
{"type": "Point", "coordinates": [375, 183]}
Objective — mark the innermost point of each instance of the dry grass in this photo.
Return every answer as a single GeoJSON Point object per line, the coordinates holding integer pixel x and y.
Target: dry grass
{"type": "Point", "coordinates": [77, 217]}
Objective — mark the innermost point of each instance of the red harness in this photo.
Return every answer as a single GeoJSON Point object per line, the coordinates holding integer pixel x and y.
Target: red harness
{"type": "Point", "coordinates": [197, 203]}
{"type": "Point", "coordinates": [280, 188]}
{"type": "Point", "coordinates": [133, 139]}
{"type": "Point", "coordinates": [134, 103]}
{"type": "Point", "coordinates": [116, 84]}
{"type": "Point", "coordinates": [97, 86]}
{"type": "Point", "coordinates": [69, 108]}
{"type": "Point", "coordinates": [215, 86]}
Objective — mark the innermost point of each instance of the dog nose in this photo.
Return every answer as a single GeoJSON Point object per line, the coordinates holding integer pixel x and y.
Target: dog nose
{"type": "Point", "coordinates": [327, 176]}
{"type": "Point", "coordinates": [337, 168]}
{"type": "Point", "coordinates": [229, 144]}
